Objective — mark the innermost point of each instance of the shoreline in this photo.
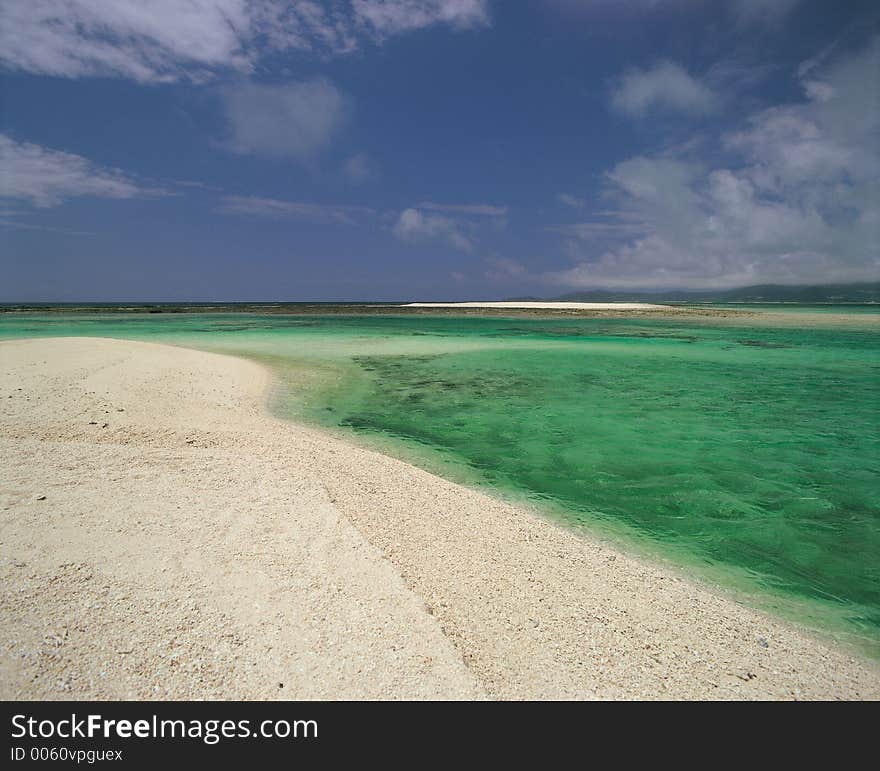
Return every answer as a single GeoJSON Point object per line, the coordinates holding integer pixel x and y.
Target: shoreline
{"type": "Point", "coordinates": [546, 306]}
{"type": "Point", "coordinates": [457, 594]}
{"type": "Point", "coordinates": [825, 622]}
{"type": "Point", "coordinates": [745, 317]}
{"type": "Point", "coordinates": [527, 310]}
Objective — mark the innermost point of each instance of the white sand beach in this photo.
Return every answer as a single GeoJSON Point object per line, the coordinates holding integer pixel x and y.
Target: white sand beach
{"type": "Point", "coordinates": [165, 537]}
{"type": "Point", "coordinates": [542, 305]}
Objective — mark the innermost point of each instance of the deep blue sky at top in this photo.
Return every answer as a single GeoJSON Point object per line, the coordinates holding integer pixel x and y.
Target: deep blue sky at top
{"type": "Point", "coordinates": [459, 150]}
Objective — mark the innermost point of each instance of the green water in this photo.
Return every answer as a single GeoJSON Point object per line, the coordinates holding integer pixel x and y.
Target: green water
{"type": "Point", "coordinates": [748, 452]}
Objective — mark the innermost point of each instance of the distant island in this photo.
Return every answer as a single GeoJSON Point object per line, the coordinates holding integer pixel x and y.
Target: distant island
{"type": "Point", "coordinates": [761, 293]}
{"type": "Point", "coordinates": [831, 294]}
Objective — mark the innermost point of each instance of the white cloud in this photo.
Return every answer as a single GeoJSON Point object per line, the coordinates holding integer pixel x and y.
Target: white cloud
{"type": "Point", "coordinates": [297, 119]}
{"type": "Point", "coordinates": [391, 17]}
{"type": "Point", "coordinates": [45, 177]}
{"type": "Point", "coordinates": [159, 41]}
{"type": "Point", "coordinates": [414, 225]}
{"type": "Point", "coordinates": [473, 209]}
{"type": "Point", "coordinates": [273, 208]}
{"type": "Point", "coordinates": [800, 204]}
{"type": "Point", "coordinates": [168, 40]}
{"type": "Point", "coordinates": [448, 222]}
{"type": "Point", "coordinates": [324, 28]}
{"type": "Point", "coordinates": [667, 86]}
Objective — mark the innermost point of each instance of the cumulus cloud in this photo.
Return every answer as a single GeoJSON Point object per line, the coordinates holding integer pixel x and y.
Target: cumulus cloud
{"type": "Point", "coordinates": [273, 208]}
{"type": "Point", "coordinates": [414, 225]}
{"type": "Point", "coordinates": [157, 42]}
{"type": "Point", "coordinates": [296, 119]}
{"type": "Point", "coordinates": [451, 222]}
{"type": "Point", "coordinates": [168, 40]}
{"type": "Point", "coordinates": [665, 86]}
{"type": "Point", "coordinates": [45, 177]}
{"type": "Point", "coordinates": [800, 204]}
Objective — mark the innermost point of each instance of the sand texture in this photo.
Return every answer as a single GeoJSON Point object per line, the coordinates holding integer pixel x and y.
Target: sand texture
{"type": "Point", "coordinates": [164, 537]}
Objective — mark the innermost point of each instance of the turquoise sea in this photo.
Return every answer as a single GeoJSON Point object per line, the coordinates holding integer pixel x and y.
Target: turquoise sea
{"type": "Point", "coordinates": [745, 452]}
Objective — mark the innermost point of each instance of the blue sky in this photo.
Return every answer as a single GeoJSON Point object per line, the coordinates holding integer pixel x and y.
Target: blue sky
{"type": "Point", "coordinates": [434, 149]}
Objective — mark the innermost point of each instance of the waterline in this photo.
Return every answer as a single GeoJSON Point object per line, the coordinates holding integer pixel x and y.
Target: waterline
{"type": "Point", "coordinates": [748, 454]}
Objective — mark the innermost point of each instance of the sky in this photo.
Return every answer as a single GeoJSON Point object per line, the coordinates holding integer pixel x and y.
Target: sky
{"type": "Point", "coordinates": [352, 150]}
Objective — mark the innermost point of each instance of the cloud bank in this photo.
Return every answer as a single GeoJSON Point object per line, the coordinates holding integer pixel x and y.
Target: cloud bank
{"type": "Point", "coordinates": [392, 17]}
{"type": "Point", "coordinates": [796, 201]}
{"type": "Point", "coordinates": [45, 177]}
{"type": "Point", "coordinates": [169, 40]}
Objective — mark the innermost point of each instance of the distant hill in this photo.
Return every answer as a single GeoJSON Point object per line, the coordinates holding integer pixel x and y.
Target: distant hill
{"type": "Point", "coordinates": [764, 293]}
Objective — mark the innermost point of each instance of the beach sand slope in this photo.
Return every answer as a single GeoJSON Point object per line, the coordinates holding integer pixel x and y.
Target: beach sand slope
{"type": "Point", "coordinates": [163, 537]}
{"type": "Point", "coordinates": [183, 549]}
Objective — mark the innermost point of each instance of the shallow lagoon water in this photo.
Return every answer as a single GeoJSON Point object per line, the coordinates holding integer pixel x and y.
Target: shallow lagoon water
{"type": "Point", "coordinates": [748, 451]}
